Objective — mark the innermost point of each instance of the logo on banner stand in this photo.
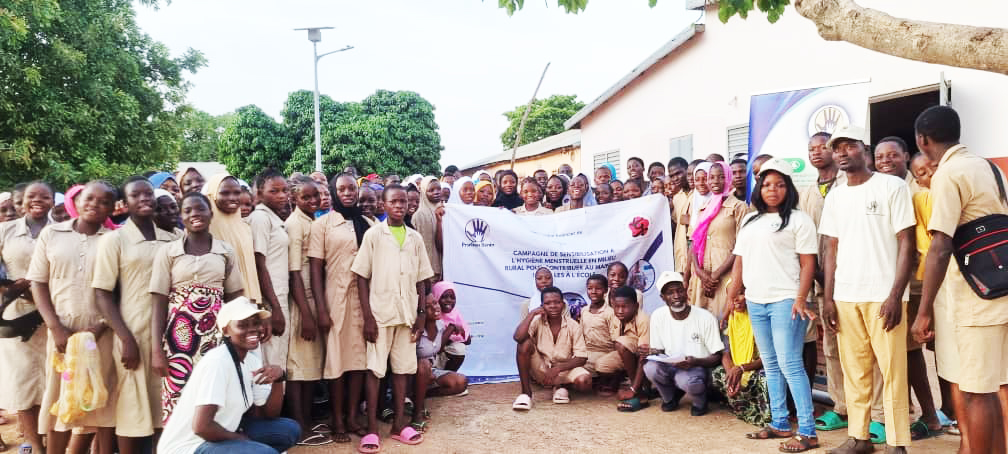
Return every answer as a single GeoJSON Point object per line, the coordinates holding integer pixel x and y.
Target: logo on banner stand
{"type": "Point", "coordinates": [475, 232]}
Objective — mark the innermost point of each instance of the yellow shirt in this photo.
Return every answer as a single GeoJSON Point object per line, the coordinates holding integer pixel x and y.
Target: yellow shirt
{"type": "Point", "coordinates": [922, 211]}
{"type": "Point", "coordinates": [963, 189]}
{"type": "Point", "coordinates": [394, 271]}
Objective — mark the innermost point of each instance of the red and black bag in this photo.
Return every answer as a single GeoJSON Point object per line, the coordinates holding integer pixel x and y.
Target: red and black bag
{"type": "Point", "coordinates": [981, 250]}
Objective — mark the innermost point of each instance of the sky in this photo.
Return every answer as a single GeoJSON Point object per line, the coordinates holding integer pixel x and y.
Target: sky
{"type": "Point", "coordinates": [467, 57]}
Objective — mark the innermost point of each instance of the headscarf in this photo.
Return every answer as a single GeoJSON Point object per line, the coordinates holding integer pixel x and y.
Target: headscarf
{"type": "Point", "coordinates": [233, 230]}
{"type": "Point", "coordinates": [456, 193]}
{"type": "Point", "coordinates": [588, 200]}
{"type": "Point", "coordinates": [512, 200]}
{"type": "Point", "coordinates": [354, 215]}
{"type": "Point", "coordinates": [71, 208]}
{"type": "Point", "coordinates": [5, 196]}
{"type": "Point", "coordinates": [454, 317]}
{"type": "Point", "coordinates": [563, 194]}
{"type": "Point", "coordinates": [158, 193]}
{"type": "Point", "coordinates": [612, 170]}
{"type": "Point", "coordinates": [425, 222]}
{"type": "Point", "coordinates": [181, 175]}
{"type": "Point", "coordinates": [481, 185]}
{"type": "Point", "coordinates": [741, 342]}
{"type": "Point", "coordinates": [476, 176]}
{"type": "Point", "coordinates": [58, 199]}
{"type": "Point", "coordinates": [699, 201]}
{"type": "Point", "coordinates": [711, 211]}
{"type": "Point", "coordinates": [159, 178]}
{"type": "Point", "coordinates": [413, 179]}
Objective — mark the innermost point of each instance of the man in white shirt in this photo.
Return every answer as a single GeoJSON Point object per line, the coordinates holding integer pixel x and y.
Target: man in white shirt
{"type": "Point", "coordinates": [868, 226]}
{"type": "Point", "coordinates": [679, 330]}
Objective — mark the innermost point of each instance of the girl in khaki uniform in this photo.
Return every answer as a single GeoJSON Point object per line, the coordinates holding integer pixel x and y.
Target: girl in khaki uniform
{"type": "Point", "coordinates": [713, 238]}
{"type": "Point", "coordinates": [20, 380]}
{"type": "Point", "coordinates": [125, 258]}
{"type": "Point", "coordinates": [61, 272]}
{"type": "Point", "coordinates": [305, 355]}
{"type": "Point", "coordinates": [332, 248]}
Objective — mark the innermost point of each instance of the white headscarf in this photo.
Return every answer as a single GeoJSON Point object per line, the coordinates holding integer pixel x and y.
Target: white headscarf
{"type": "Point", "coordinates": [414, 180]}
{"type": "Point", "coordinates": [158, 193]}
{"type": "Point", "coordinates": [456, 192]}
{"type": "Point", "coordinates": [476, 176]}
{"type": "Point", "coordinates": [58, 199]}
{"type": "Point", "coordinates": [5, 196]}
{"type": "Point", "coordinates": [699, 201]}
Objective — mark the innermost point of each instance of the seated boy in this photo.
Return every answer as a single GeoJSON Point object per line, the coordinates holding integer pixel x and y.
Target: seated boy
{"type": "Point", "coordinates": [551, 351]}
{"type": "Point", "coordinates": [630, 332]}
{"type": "Point", "coordinates": [595, 321]}
{"type": "Point", "coordinates": [688, 337]}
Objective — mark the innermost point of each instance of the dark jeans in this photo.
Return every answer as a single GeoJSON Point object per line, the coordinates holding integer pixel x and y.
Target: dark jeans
{"type": "Point", "coordinates": [266, 436]}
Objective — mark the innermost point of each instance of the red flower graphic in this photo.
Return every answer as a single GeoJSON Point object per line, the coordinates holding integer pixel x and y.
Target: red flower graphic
{"type": "Point", "coordinates": [639, 226]}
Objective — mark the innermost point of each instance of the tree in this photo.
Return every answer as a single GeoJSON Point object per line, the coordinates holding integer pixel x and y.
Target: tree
{"type": "Point", "coordinates": [254, 142]}
{"type": "Point", "coordinates": [84, 93]}
{"type": "Point", "coordinates": [201, 133]}
{"type": "Point", "coordinates": [545, 119]}
{"type": "Point", "coordinates": [964, 46]}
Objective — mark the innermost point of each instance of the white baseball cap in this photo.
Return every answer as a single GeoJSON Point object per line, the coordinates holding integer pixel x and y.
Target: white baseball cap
{"type": "Point", "coordinates": [667, 277]}
{"type": "Point", "coordinates": [239, 308]}
{"type": "Point", "coordinates": [777, 164]}
{"type": "Point", "coordinates": [848, 132]}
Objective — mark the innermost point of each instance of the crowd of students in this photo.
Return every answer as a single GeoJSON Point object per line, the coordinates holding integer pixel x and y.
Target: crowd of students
{"type": "Point", "coordinates": [218, 306]}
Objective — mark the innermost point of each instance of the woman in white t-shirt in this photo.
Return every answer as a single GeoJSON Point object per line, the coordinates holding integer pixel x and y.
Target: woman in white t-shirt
{"type": "Point", "coordinates": [775, 256]}
{"type": "Point", "coordinates": [232, 401]}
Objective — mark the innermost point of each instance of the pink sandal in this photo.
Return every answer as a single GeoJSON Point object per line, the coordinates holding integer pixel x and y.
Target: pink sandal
{"type": "Point", "coordinates": [409, 436]}
{"type": "Point", "coordinates": [369, 440]}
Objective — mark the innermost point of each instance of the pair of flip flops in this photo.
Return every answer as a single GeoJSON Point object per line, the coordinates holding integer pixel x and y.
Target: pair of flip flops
{"type": "Point", "coordinates": [830, 420]}
{"type": "Point", "coordinates": [371, 443]}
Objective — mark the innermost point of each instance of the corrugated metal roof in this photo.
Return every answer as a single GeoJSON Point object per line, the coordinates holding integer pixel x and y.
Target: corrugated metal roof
{"type": "Point", "coordinates": [685, 35]}
{"type": "Point", "coordinates": [567, 138]}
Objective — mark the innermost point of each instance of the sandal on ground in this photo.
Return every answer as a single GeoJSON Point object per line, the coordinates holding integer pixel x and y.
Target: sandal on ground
{"type": "Point", "coordinates": [768, 433]}
{"type": "Point", "coordinates": [631, 405]}
{"type": "Point", "coordinates": [408, 436]}
{"type": "Point", "coordinates": [851, 447]}
{"type": "Point", "coordinates": [919, 430]}
{"type": "Point", "coordinates": [942, 419]}
{"type": "Point", "coordinates": [561, 396]}
{"type": "Point", "coordinates": [420, 426]}
{"type": "Point", "coordinates": [830, 420]}
{"type": "Point", "coordinates": [876, 431]}
{"type": "Point", "coordinates": [321, 428]}
{"type": "Point", "coordinates": [386, 415]}
{"type": "Point", "coordinates": [370, 444]}
{"type": "Point", "coordinates": [317, 440]}
{"type": "Point", "coordinates": [522, 403]}
{"type": "Point", "coordinates": [953, 429]}
{"type": "Point", "coordinates": [803, 444]}
{"type": "Point", "coordinates": [465, 392]}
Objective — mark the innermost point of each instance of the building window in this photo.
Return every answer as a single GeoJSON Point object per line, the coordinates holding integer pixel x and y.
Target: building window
{"type": "Point", "coordinates": [738, 142]}
{"type": "Point", "coordinates": [611, 157]}
{"type": "Point", "coordinates": [681, 147]}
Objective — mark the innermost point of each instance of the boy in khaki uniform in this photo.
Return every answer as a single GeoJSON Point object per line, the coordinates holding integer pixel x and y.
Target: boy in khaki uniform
{"type": "Point", "coordinates": [392, 270]}
{"type": "Point", "coordinates": [551, 351]}
{"type": "Point", "coordinates": [964, 188]}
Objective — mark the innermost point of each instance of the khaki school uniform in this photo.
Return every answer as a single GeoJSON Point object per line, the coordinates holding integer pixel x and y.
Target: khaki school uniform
{"type": "Point", "coordinates": [963, 189]}
{"type": "Point", "coordinates": [630, 335]}
{"type": "Point", "coordinates": [569, 343]}
{"type": "Point", "coordinates": [720, 243]}
{"type": "Point", "coordinates": [21, 380]}
{"type": "Point", "coordinates": [595, 327]}
{"type": "Point", "coordinates": [680, 208]}
{"type": "Point", "coordinates": [304, 358]}
{"type": "Point", "coordinates": [334, 240]}
{"type": "Point", "coordinates": [915, 284]}
{"type": "Point", "coordinates": [125, 259]}
{"type": "Point", "coordinates": [65, 260]}
{"type": "Point", "coordinates": [540, 211]}
{"type": "Point", "coordinates": [269, 238]}
{"type": "Point", "coordinates": [394, 272]}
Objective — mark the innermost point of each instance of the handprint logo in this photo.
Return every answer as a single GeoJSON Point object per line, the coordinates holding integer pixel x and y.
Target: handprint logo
{"type": "Point", "coordinates": [475, 230]}
{"type": "Point", "coordinates": [828, 118]}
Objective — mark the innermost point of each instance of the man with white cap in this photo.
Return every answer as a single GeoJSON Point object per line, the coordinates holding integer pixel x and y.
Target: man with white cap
{"type": "Point", "coordinates": [688, 341]}
{"type": "Point", "coordinates": [868, 227]}
{"type": "Point", "coordinates": [232, 402]}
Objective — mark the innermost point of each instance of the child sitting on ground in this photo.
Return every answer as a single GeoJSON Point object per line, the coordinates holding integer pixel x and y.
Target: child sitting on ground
{"type": "Point", "coordinates": [595, 321]}
{"type": "Point", "coordinates": [456, 328]}
{"type": "Point", "coordinates": [430, 379]}
{"type": "Point", "coordinates": [551, 351]}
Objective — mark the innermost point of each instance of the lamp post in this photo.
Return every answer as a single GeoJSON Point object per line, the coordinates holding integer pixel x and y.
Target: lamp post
{"type": "Point", "coordinates": [315, 35]}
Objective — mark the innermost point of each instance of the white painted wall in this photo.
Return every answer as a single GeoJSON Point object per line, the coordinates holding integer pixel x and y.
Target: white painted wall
{"type": "Point", "coordinates": [705, 86]}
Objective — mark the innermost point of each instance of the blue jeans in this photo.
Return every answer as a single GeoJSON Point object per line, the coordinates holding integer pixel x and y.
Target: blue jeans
{"type": "Point", "coordinates": [266, 436]}
{"type": "Point", "coordinates": [780, 340]}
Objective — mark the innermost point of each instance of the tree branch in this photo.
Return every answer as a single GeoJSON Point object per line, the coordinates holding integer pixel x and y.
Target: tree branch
{"type": "Point", "coordinates": [964, 46]}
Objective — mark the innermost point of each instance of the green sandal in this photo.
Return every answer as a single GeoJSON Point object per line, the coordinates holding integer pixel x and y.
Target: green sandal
{"type": "Point", "coordinates": [876, 431]}
{"type": "Point", "coordinates": [919, 430]}
{"type": "Point", "coordinates": [632, 404]}
{"type": "Point", "coordinates": [830, 420]}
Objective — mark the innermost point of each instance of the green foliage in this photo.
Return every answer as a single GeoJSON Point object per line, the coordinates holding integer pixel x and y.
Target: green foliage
{"type": "Point", "coordinates": [201, 133]}
{"type": "Point", "coordinates": [84, 93]}
{"type": "Point", "coordinates": [545, 119]}
{"type": "Point", "coordinates": [726, 8]}
{"type": "Point", "coordinates": [388, 132]}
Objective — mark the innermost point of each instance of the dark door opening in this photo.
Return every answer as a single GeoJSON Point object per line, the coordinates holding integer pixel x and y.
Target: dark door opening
{"type": "Point", "coordinates": [894, 115]}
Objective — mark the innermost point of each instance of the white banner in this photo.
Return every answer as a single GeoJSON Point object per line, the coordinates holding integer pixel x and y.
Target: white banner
{"type": "Point", "coordinates": [492, 254]}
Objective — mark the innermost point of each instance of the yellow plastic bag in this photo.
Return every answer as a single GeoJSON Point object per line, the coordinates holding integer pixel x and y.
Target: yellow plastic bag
{"type": "Point", "coordinates": [82, 388]}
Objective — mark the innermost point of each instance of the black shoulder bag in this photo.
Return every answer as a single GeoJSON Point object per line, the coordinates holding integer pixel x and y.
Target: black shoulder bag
{"type": "Point", "coordinates": [981, 250]}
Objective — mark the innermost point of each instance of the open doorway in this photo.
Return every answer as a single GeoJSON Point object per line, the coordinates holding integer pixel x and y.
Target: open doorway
{"type": "Point", "coordinates": [894, 114]}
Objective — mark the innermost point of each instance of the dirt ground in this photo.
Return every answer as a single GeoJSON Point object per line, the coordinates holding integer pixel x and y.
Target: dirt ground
{"type": "Point", "coordinates": [483, 422]}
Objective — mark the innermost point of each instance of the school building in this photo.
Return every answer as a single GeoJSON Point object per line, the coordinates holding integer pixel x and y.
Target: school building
{"type": "Point", "coordinates": [547, 154]}
{"type": "Point", "coordinates": [691, 97]}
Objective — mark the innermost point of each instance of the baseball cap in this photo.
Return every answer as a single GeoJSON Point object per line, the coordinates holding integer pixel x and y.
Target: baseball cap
{"type": "Point", "coordinates": [667, 277]}
{"type": "Point", "coordinates": [777, 164]}
{"type": "Point", "coordinates": [848, 132]}
{"type": "Point", "coordinates": [239, 308]}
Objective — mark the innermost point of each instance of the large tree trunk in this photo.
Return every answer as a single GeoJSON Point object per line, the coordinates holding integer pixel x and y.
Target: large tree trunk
{"type": "Point", "coordinates": [964, 46]}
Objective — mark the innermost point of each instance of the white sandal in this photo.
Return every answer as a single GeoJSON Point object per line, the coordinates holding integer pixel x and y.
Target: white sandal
{"type": "Point", "coordinates": [561, 396]}
{"type": "Point", "coordinates": [522, 403]}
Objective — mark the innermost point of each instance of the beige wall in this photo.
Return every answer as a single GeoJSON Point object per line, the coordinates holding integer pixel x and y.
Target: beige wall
{"type": "Point", "coordinates": [705, 86]}
{"type": "Point", "coordinates": [547, 161]}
